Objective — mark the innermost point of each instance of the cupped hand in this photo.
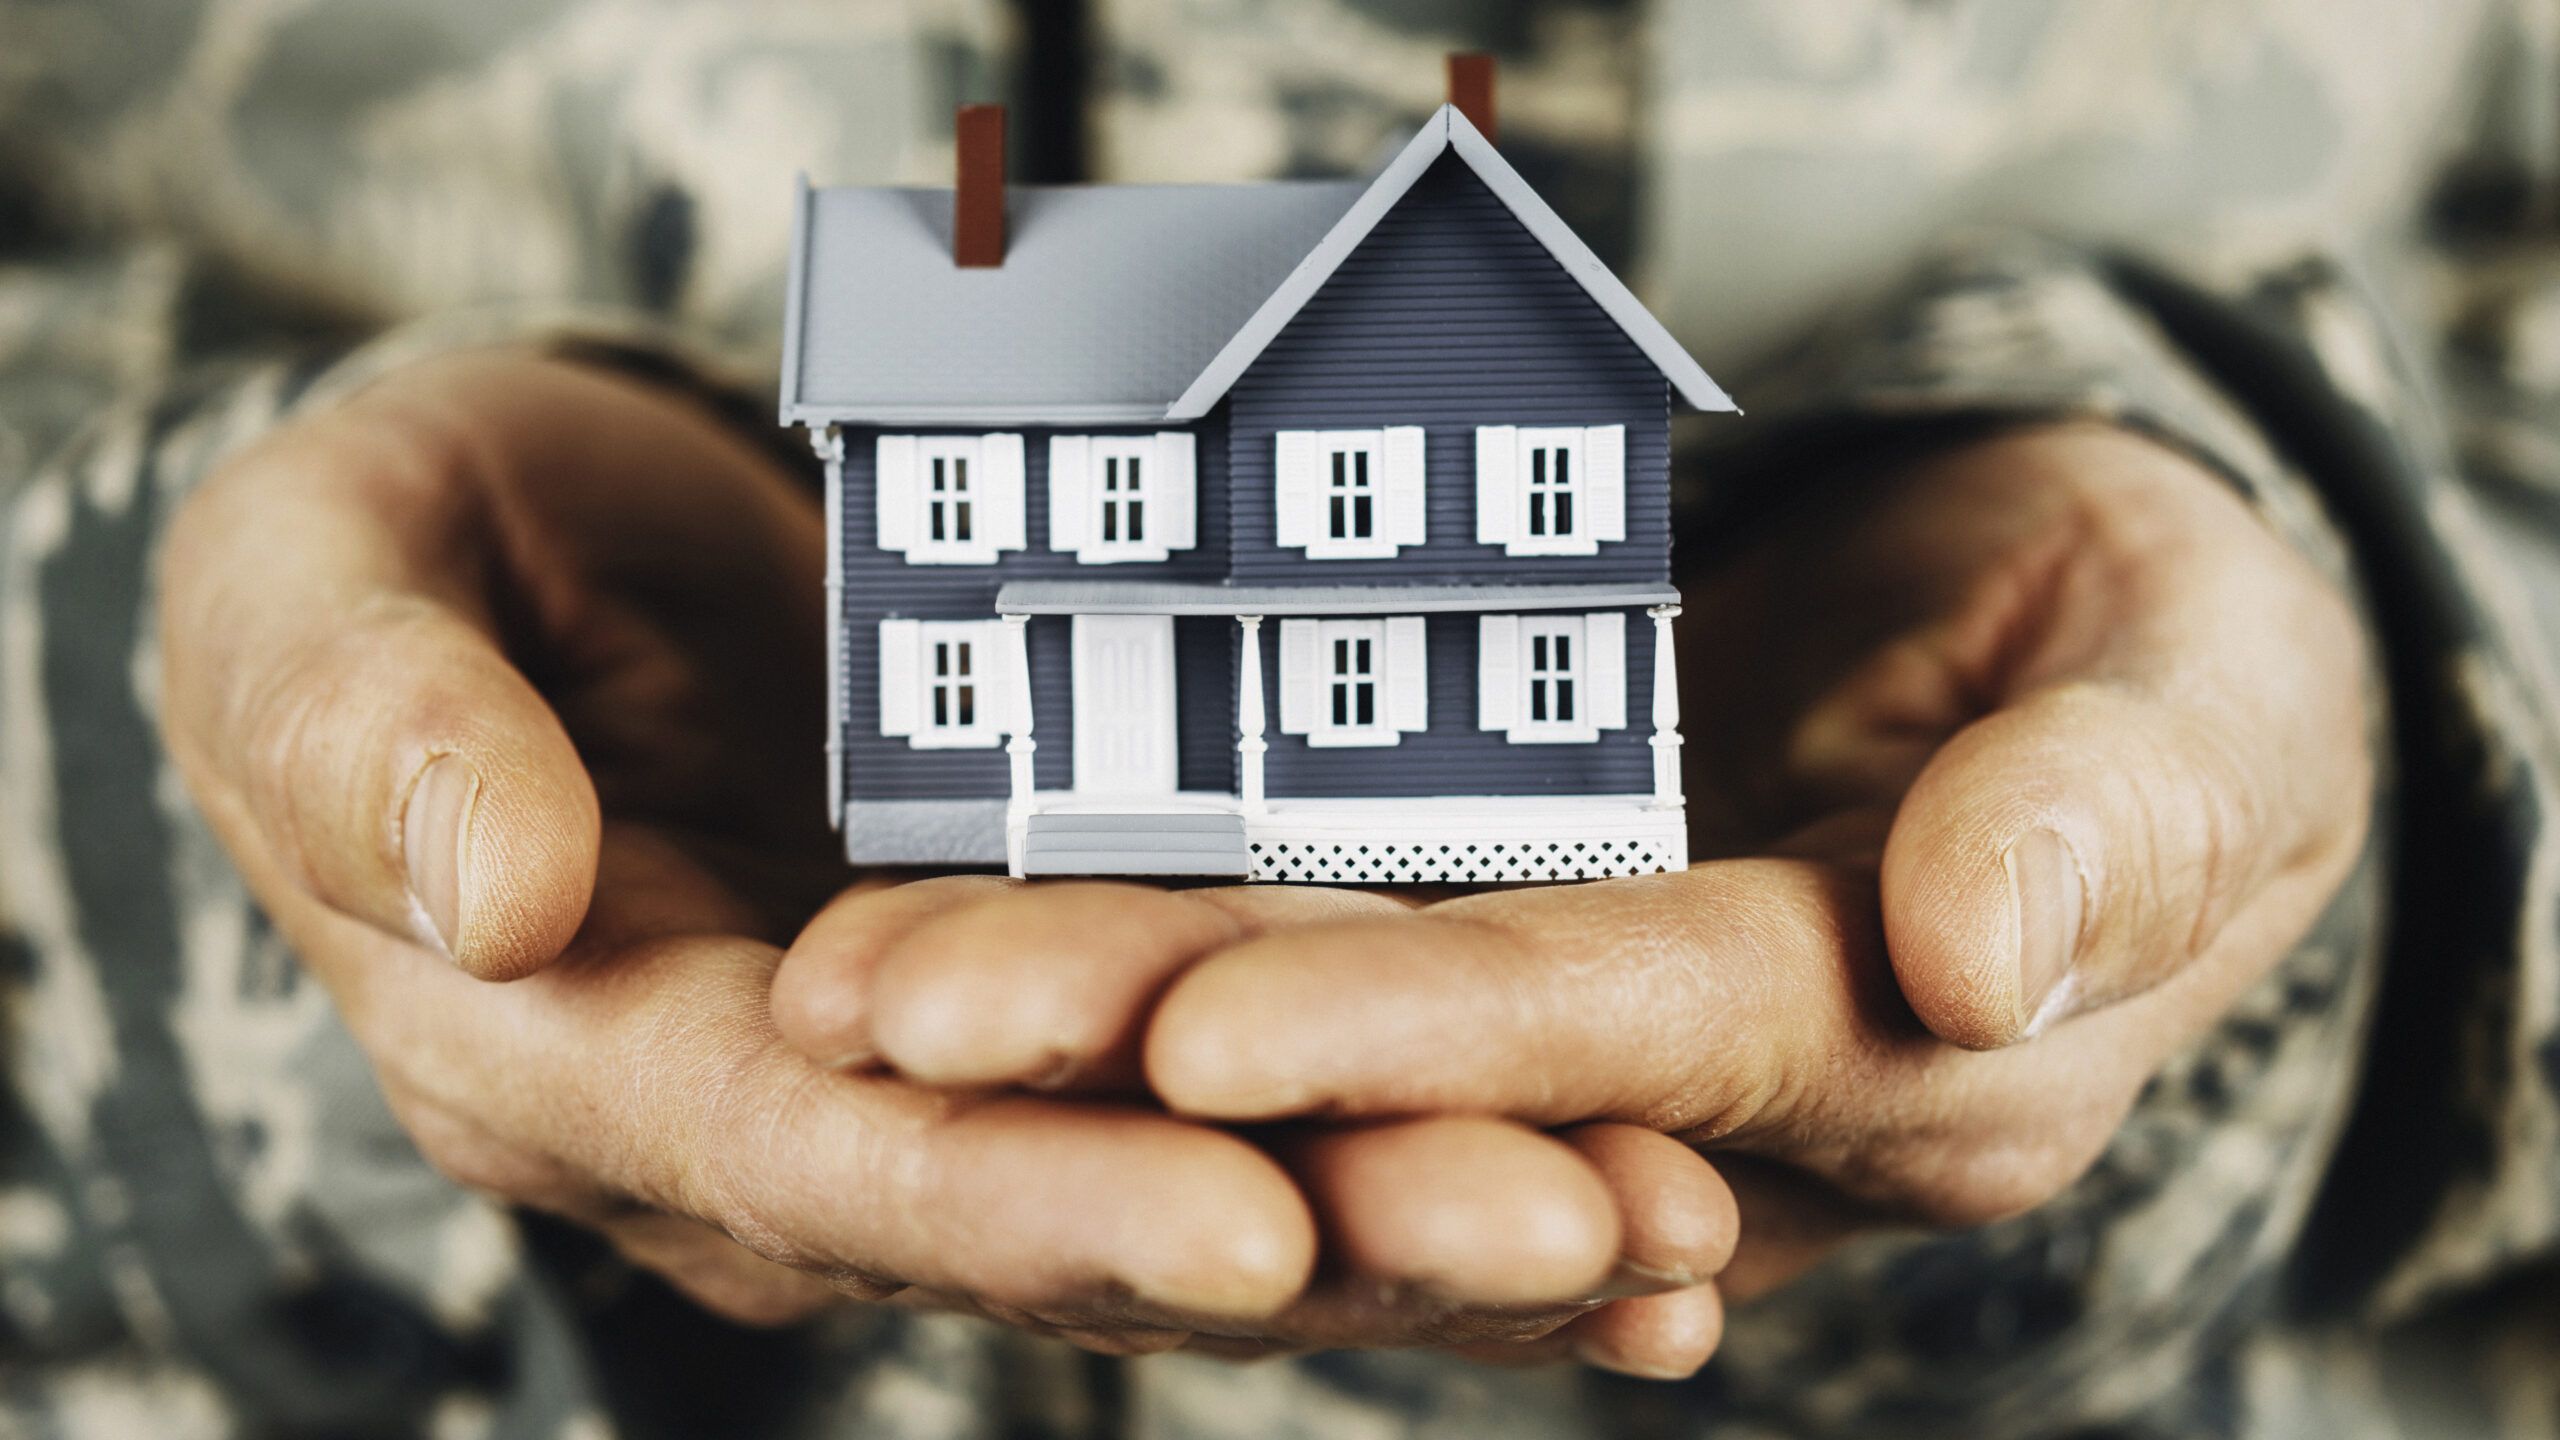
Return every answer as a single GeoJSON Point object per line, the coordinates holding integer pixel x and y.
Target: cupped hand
{"type": "Point", "coordinates": [2024, 762]}
{"type": "Point", "coordinates": [508, 668]}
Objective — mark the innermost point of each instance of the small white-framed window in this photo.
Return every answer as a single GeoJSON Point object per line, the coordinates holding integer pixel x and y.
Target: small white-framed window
{"type": "Point", "coordinates": [1550, 679]}
{"type": "Point", "coordinates": [941, 683]}
{"type": "Point", "coordinates": [1551, 490]}
{"type": "Point", "coordinates": [1554, 517]}
{"type": "Point", "coordinates": [949, 518]}
{"type": "Point", "coordinates": [1349, 683]}
{"type": "Point", "coordinates": [1554, 702]}
{"type": "Point", "coordinates": [1114, 499]}
{"type": "Point", "coordinates": [1349, 494]}
{"type": "Point", "coordinates": [1123, 481]}
{"type": "Point", "coordinates": [1352, 708]}
{"type": "Point", "coordinates": [949, 499]}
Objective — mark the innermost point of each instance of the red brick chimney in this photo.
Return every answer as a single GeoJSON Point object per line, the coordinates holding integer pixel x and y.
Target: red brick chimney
{"type": "Point", "coordinates": [1471, 88]}
{"type": "Point", "coordinates": [977, 196]}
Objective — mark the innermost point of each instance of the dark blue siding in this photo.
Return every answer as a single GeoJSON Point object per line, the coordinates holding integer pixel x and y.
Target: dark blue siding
{"type": "Point", "coordinates": [878, 586]}
{"type": "Point", "coordinates": [1451, 315]}
{"type": "Point", "coordinates": [1453, 757]}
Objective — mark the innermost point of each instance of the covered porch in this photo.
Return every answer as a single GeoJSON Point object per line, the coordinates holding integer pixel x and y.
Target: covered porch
{"type": "Point", "coordinates": [1249, 834]}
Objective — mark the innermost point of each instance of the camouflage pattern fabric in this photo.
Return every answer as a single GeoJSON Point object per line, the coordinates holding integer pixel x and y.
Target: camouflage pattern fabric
{"type": "Point", "coordinates": [2339, 1214]}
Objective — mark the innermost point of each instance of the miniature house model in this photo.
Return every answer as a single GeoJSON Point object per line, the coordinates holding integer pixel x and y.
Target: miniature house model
{"type": "Point", "coordinates": [1283, 531]}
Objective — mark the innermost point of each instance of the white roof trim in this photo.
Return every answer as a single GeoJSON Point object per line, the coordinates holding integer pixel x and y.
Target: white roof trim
{"type": "Point", "coordinates": [1449, 130]}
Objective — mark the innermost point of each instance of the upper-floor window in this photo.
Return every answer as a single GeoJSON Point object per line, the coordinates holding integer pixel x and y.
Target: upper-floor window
{"type": "Point", "coordinates": [1548, 679]}
{"type": "Point", "coordinates": [940, 683]}
{"type": "Point", "coordinates": [1551, 490]}
{"type": "Point", "coordinates": [1117, 498]}
{"type": "Point", "coordinates": [1354, 682]}
{"type": "Point", "coordinates": [1349, 494]}
{"type": "Point", "coordinates": [948, 499]}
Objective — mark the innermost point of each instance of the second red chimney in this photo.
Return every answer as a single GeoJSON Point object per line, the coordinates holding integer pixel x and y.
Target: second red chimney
{"type": "Point", "coordinates": [1471, 88]}
{"type": "Point", "coordinates": [977, 197]}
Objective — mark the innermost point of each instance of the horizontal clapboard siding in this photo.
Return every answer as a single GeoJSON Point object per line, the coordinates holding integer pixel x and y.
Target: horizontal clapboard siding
{"type": "Point", "coordinates": [1450, 315]}
{"type": "Point", "coordinates": [880, 585]}
{"type": "Point", "coordinates": [1453, 757]}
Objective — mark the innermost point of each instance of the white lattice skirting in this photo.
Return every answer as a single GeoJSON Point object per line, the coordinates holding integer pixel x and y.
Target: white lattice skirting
{"type": "Point", "coordinates": [1539, 841]}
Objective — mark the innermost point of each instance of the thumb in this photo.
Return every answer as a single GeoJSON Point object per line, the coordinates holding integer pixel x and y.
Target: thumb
{"type": "Point", "coordinates": [2194, 785]}
{"type": "Point", "coordinates": [358, 736]}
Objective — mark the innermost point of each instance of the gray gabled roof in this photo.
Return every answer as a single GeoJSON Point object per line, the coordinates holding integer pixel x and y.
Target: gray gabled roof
{"type": "Point", "coordinates": [1110, 299]}
{"type": "Point", "coordinates": [1451, 132]}
{"type": "Point", "coordinates": [1116, 304]}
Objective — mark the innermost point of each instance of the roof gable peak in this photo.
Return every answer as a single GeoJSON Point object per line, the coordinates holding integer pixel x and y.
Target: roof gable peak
{"type": "Point", "coordinates": [1448, 131]}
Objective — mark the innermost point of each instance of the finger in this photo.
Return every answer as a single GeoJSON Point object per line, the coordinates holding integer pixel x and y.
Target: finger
{"type": "Point", "coordinates": [2139, 784]}
{"type": "Point", "coordinates": [822, 994]}
{"type": "Point", "coordinates": [1677, 1217]}
{"type": "Point", "coordinates": [1652, 1337]}
{"type": "Point", "coordinates": [1467, 1210]}
{"type": "Point", "coordinates": [1049, 985]}
{"type": "Point", "coordinates": [334, 692]}
{"type": "Point", "coordinates": [716, 1272]}
{"type": "Point", "coordinates": [1682, 1002]}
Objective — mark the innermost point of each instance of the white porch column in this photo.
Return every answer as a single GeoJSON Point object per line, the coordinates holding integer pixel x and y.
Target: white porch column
{"type": "Point", "coordinates": [1250, 745]}
{"type": "Point", "coordinates": [1666, 712]}
{"type": "Point", "coordinates": [1019, 747]}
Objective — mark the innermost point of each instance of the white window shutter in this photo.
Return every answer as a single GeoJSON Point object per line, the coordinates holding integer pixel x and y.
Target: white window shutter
{"type": "Point", "coordinates": [1497, 671]}
{"type": "Point", "coordinates": [1408, 674]}
{"type": "Point", "coordinates": [1604, 668]}
{"type": "Point", "coordinates": [1295, 494]}
{"type": "Point", "coordinates": [901, 677]}
{"type": "Point", "coordinates": [893, 475]}
{"type": "Point", "coordinates": [1070, 490]}
{"type": "Point", "coordinates": [1604, 473]}
{"type": "Point", "coordinates": [1176, 489]}
{"type": "Point", "coordinates": [1000, 461]}
{"type": "Point", "coordinates": [1497, 484]}
{"type": "Point", "coordinates": [1301, 677]}
{"type": "Point", "coordinates": [1407, 490]}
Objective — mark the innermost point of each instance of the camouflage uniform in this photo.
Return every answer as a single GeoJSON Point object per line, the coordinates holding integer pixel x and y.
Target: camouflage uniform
{"type": "Point", "coordinates": [2338, 1214]}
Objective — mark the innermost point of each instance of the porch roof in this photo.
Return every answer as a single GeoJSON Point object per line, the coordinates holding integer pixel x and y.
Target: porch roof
{"type": "Point", "coordinates": [1176, 597]}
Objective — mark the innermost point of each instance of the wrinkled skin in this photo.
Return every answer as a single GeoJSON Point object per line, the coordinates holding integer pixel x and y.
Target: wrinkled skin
{"type": "Point", "coordinates": [506, 669]}
{"type": "Point", "coordinates": [1896, 699]}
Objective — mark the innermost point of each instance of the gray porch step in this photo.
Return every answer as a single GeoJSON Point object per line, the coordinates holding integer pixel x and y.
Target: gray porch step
{"type": "Point", "coordinates": [1105, 844]}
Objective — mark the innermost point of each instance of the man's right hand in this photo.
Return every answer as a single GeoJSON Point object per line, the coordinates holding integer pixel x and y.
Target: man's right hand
{"type": "Point", "coordinates": [505, 668]}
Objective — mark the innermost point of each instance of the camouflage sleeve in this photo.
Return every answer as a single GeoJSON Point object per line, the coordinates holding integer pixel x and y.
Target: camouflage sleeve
{"type": "Point", "coordinates": [2367, 1144]}
{"type": "Point", "coordinates": [209, 1222]}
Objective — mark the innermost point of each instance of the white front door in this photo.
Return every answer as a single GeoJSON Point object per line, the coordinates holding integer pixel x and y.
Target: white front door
{"type": "Point", "coordinates": [1124, 704]}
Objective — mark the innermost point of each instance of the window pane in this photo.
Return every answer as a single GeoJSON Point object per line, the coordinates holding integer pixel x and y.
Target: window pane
{"type": "Point", "coordinates": [959, 472]}
{"type": "Point", "coordinates": [1564, 652]}
{"type": "Point", "coordinates": [1341, 657]}
{"type": "Point", "coordinates": [1110, 521]}
{"type": "Point", "coordinates": [939, 511]}
{"type": "Point", "coordinates": [1564, 467]}
{"type": "Point", "coordinates": [960, 658]}
{"type": "Point", "coordinates": [1338, 473]}
{"type": "Point", "coordinates": [1537, 512]}
{"type": "Point", "coordinates": [968, 705]}
{"type": "Point", "coordinates": [1137, 520]}
{"type": "Point", "coordinates": [941, 708]}
{"type": "Point", "coordinates": [1341, 703]}
{"type": "Point", "coordinates": [1537, 699]}
{"type": "Point", "coordinates": [942, 659]}
{"type": "Point", "coordinates": [937, 472]}
{"type": "Point", "coordinates": [960, 520]}
{"type": "Point", "coordinates": [1341, 523]}
{"type": "Point", "coordinates": [1368, 704]}
{"type": "Point", "coordinates": [1537, 652]}
{"type": "Point", "coordinates": [1564, 701]}
{"type": "Point", "coordinates": [1360, 468]}
{"type": "Point", "coordinates": [1538, 466]}
{"type": "Point", "coordinates": [1361, 522]}
{"type": "Point", "coordinates": [1564, 512]}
